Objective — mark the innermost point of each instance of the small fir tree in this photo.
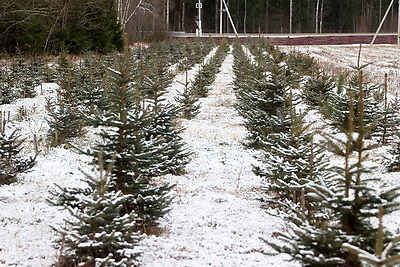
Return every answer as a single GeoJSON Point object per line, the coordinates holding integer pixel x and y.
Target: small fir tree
{"type": "Point", "coordinates": [11, 164]}
{"type": "Point", "coordinates": [100, 232]}
{"type": "Point", "coordinates": [309, 243]}
{"type": "Point", "coordinates": [301, 64]}
{"type": "Point", "coordinates": [165, 115]}
{"type": "Point", "coordinates": [290, 162]}
{"type": "Point", "coordinates": [164, 125]}
{"type": "Point", "coordinates": [64, 122]}
{"type": "Point", "coordinates": [125, 121]}
{"type": "Point", "coordinates": [65, 114]}
{"type": "Point", "coordinates": [339, 102]}
{"type": "Point", "coordinates": [188, 101]}
{"type": "Point", "coordinates": [243, 69]}
{"type": "Point", "coordinates": [317, 89]}
{"type": "Point", "coordinates": [37, 70]}
{"type": "Point", "coordinates": [390, 119]}
{"type": "Point", "coordinates": [394, 164]}
{"type": "Point", "coordinates": [65, 70]}
{"type": "Point", "coordinates": [90, 81]}
{"type": "Point", "coordinates": [7, 92]}
{"type": "Point", "coordinates": [353, 200]}
{"type": "Point", "coordinates": [23, 78]}
{"type": "Point", "coordinates": [206, 76]}
{"type": "Point", "coordinates": [262, 100]}
{"type": "Point", "coordinates": [383, 256]}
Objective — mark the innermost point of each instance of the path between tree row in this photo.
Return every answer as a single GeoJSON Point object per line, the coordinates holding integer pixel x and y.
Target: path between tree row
{"type": "Point", "coordinates": [215, 219]}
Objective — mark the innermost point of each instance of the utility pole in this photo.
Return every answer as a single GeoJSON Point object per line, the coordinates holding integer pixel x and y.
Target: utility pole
{"type": "Point", "coordinates": [320, 16]}
{"type": "Point", "coordinates": [383, 20]}
{"type": "Point", "coordinates": [229, 16]}
{"type": "Point", "coordinates": [199, 29]}
{"type": "Point", "coordinates": [398, 24]}
{"type": "Point", "coordinates": [220, 18]}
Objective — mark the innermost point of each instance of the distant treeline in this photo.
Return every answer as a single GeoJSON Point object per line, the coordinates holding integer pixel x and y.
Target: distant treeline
{"type": "Point", "coordinates": [273, 16]}
{"type": "Point", "coordinates": [74, 26]}
{"type": "Point", "coordinates": [38, 26]}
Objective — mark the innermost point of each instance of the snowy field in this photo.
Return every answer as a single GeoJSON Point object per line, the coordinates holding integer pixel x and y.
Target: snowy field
{"type": "Point", "coordinates": [381, 60]}
{"type": "Point", "coordinates": [216, 219]}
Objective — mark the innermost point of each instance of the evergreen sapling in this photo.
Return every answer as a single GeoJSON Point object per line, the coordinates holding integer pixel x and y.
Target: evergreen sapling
{"type": "Point", "coordinates": [99, 232]}
{"type": "Point", "coordinates": [125, 122]}
{"type": "Point", "coordinates": [11, 164]}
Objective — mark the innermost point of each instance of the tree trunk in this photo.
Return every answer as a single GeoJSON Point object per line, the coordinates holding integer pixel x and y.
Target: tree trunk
{"type": "Point", "coordinates": [167, 16]}
{"type": "Point", "coordinates": [316, 16]}
{"type": "Point", "coordinates": [267, 16]}
{"type": "Point", "coordinates": [183, 17]}
{"type": "Point", "coordinates": [245, 17]}
{"type": "Point", "coordinates": [237, 13]}
{"type": "Point", "coordinates": [228, 25]}
{"type": "Point", "coordinates": [321, 16]}
{"type": "Point", "coordinates": [216, 16]}
{"type": "Point", "coordinates": [291, 17]}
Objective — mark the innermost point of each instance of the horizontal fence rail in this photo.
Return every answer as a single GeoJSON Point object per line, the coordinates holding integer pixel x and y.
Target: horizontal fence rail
{"type": "Point", "coordinates": [298, 39]}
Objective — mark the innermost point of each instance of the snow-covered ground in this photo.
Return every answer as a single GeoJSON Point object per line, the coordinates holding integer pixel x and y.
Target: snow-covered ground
{"type": "Point", "coordinates": [216, 219]}
{"type": "Point", "coordinates": [381, 60]}
{"type": "Point", "coordinates": [25, 215]}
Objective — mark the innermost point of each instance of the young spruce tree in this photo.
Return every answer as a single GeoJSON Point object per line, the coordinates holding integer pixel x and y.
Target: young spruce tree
{"type": "Point", "coordinates": [291, 160]}
{"type": "Point", "coordinates": [125, 121]}
{"type": "Point", "coordinates": [165, 115]}
{"type": "Point", "coordinates": [11, 164]}
{"type": "Point", "coordinates": [261, 98]}
{"type": "Point", "coordinates": [65, 119]}
{"type": "Point", "coordinates": [100, 232]}
{"type": "Point", "coordinates": [347, 201]}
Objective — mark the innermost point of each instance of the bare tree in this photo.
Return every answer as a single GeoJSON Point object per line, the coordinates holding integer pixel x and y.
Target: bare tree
{"type": "Point", "coordinates": [127, 9]}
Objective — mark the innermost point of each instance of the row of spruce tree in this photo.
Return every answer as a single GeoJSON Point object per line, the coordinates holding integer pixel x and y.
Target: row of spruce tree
{"type": "Point", "coordinates": [200, 86]}
{"type": "Point", "coordinates": [330, 209]}
{"type": "Point", "coordinates": [139, 140]}
{"type": "Point", "coordinates": [83, 85]}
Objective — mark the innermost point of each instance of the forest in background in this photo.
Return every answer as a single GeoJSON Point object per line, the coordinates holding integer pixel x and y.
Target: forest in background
{"type": "Point", "coordinates": [75, 26]}
{"type": "Point", "coordinates": [273, 16]}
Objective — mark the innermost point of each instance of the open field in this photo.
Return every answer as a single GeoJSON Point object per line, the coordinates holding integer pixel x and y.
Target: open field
{"type": "Point", "coordinates": [381, 60]}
